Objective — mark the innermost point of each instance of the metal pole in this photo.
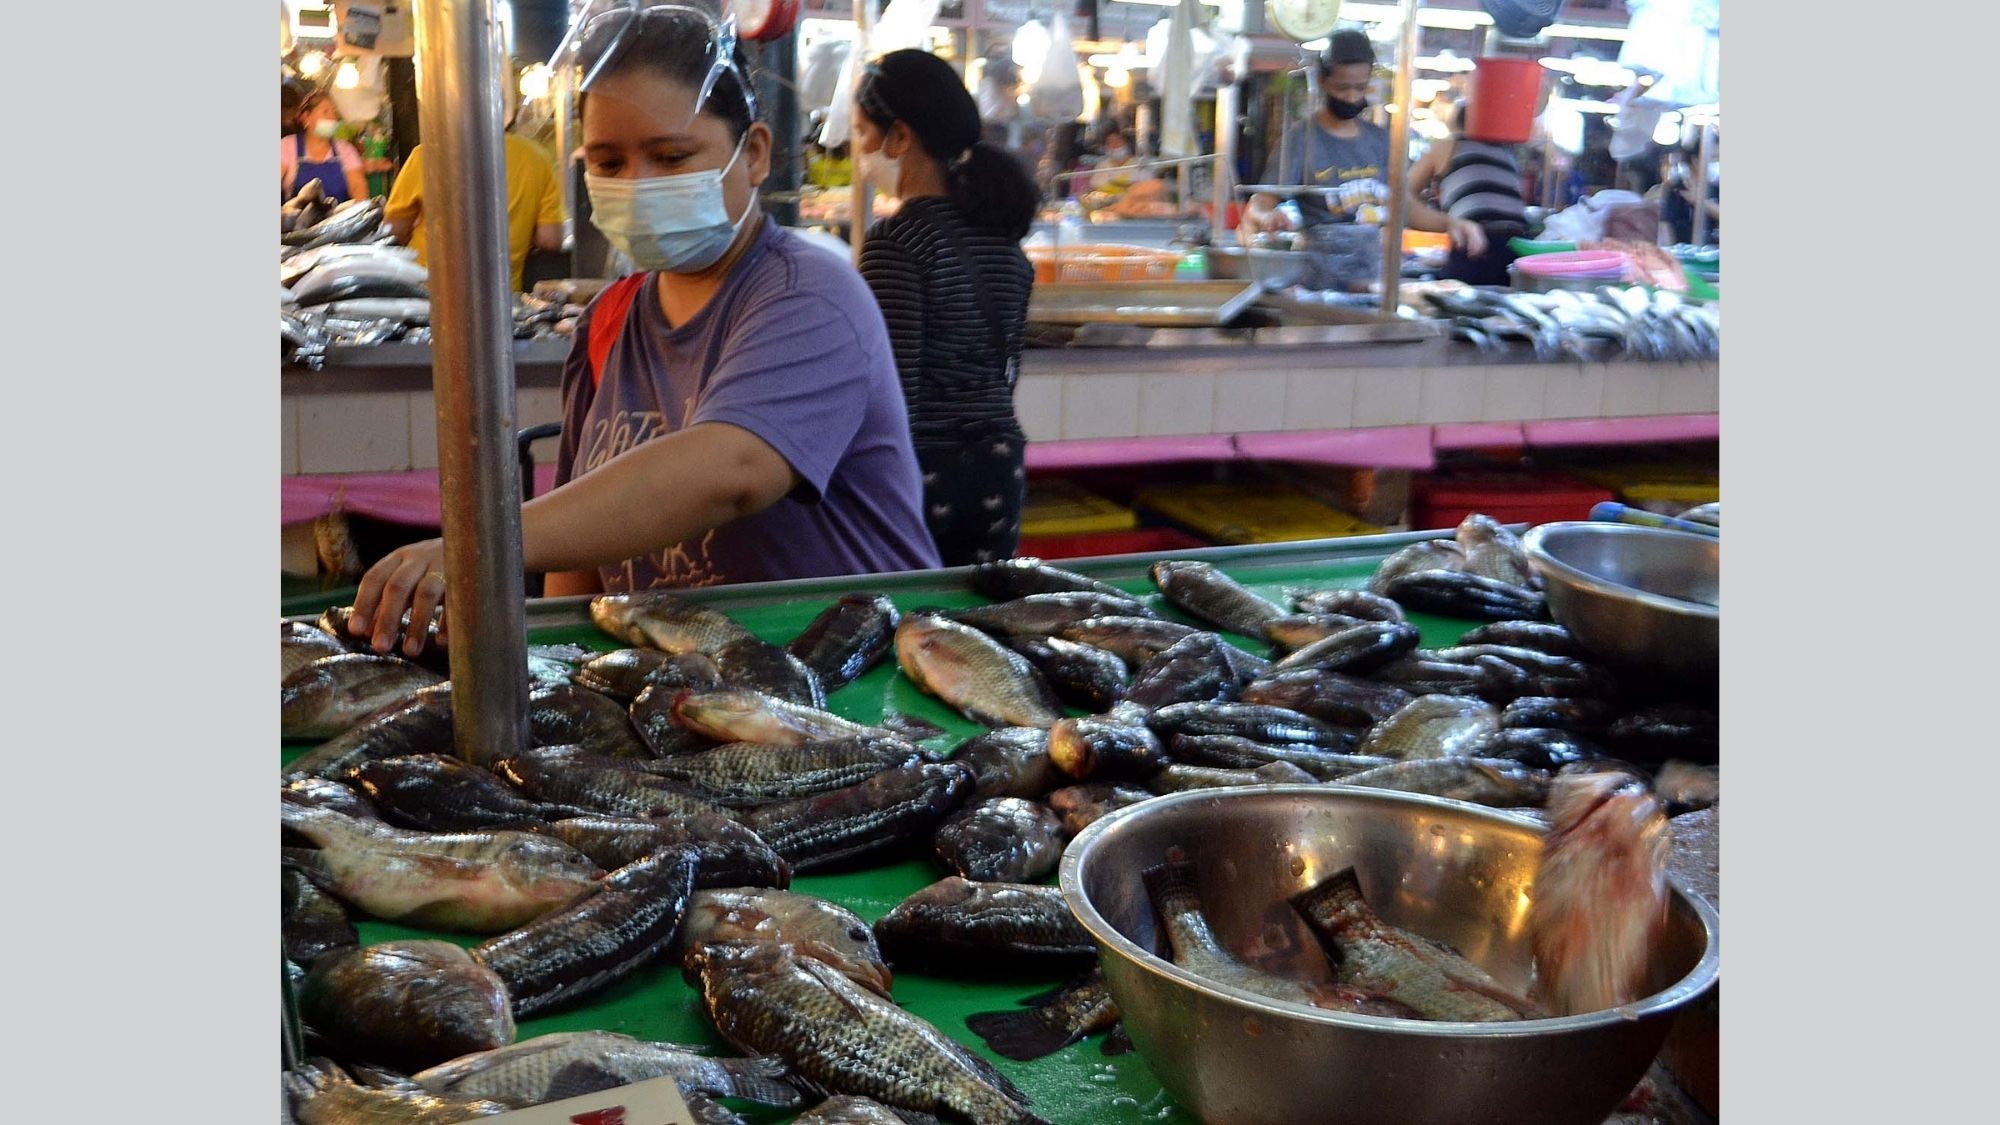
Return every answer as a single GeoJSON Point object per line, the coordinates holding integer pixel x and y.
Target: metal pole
{"type": "Point", "coordinates": [862, 191]}
{"type": "Point", "coordinates": [1399, 161]}
{"type": "Point", "coordinates": [1699, 181]}
{"type": "Point", "coordinates": [472, 364]}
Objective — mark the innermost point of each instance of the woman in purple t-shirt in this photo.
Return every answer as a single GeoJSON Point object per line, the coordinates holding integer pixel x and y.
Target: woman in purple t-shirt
{"type": "Point", "coordinates": [730, 415]}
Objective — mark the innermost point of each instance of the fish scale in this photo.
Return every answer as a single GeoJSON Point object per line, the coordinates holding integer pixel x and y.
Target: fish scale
{"type": "Point", "coordinates": [747, 773]}
{"type": "Point", "coordinates": [528, 1072]}
{"type": "Point", "coordinates": [565, 775]}
{"type": "Point", "coordinates": [879, 814]}
{"type": "Point", "coordinates": [986, 682]}
{"type": "Point", "coordinates": [1214, 597]}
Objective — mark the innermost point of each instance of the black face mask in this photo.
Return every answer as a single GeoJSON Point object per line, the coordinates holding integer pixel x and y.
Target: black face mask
{"type": "Point", "coordinates": [1344, 110]}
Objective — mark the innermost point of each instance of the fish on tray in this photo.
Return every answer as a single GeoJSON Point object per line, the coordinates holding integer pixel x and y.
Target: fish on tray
{"type": "Point", "coordinates": [761, 666]}
{"type": "Point", "coordinates": [847, 639]}
{"type": "Point", "coordinates": [1135, 640]}
{"type": "Point", "coordinates": [406, 1005]}
{"type": "Point", "coordinates": [319, 1092]}
{"type": "Point", "coordinates": [963, 927]}
{"type": "Point", "coordinates": [1058, 1018]}
{"type": "Point", "coordinates": [1195, 669]}
{"type": "Point", "coordinates": [1023, 577]}
{"type": "Point", "coordinates": [331, 694]}
{"type": "Point", "coordinates": [434, 793]}
{"type": "Point", "coordinates": [1003, 840]}
{"type": "Point", "coordinates": [568, 715]}
{"type": "Point", "coordinates": [1431, 726]}
{"type": "Point", "coordinates": [665, 621]}
{"type": "Point", "coordinates": [623, 673]}
{"type": "Point", "coordinates": [1349, 603]}
{"type": "Point", "coordinates": [1042, 615]}
{"type": "Point", "coordinates": [300, 644]}
{"type": "Point", "coordinates": [751, 716]}
{"type": "Point", "coordinates": [1181, 778]}
{"type": "Point", "coordinates": [566, 775]}
{"type": "Point", "coordinates": [1212, 596]}
{"type": "Point", "coordinates": [1328, 696]}
{"type": "Point", "coordinates": [883, 813]}
{"type": "Point", "coordinates": [1082, 676]}
{"type": "Point", "coordinates": [1010, 762]}
{"type": "Point", "coordinates": [1103, 748]}
{"type": "Point", "coordinates": [1080, 806]}
{"type": "Point", "coordinates": [1496, 783]}
{"type": "Point", "coordinates": [420, 724]}
{"type": "Point", "coordinates": [1355, 650]}
{"type": "Point", "coordinates": [1234, 752]}
{"type": "Point", "coordinates": [973, 673]}
{"type": "Point", "coordinates": [314, 921]}
{"type": "Point", "coordinates": [570, 1064]}
{"type": "Point", "coordinates": [746, 774]}
{"type": "Point", "coordinates": [813, 927]}
{"type": "Point", "coordinates": [727, 854]}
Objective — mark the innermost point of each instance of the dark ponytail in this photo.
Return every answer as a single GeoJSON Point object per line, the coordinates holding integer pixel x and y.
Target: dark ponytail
{"type": "Point", "coordinates": [923, 92]}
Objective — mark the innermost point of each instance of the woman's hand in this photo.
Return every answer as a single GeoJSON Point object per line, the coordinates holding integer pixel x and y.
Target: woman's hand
{"type": "Point", "coordinates": [1468, 236]}
{"type": "Point", "coordinates": [409, 578]}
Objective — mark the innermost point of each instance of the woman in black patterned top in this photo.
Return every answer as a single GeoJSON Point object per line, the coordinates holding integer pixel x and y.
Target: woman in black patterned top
{"type": "Point", "coordinates": [953, 284]}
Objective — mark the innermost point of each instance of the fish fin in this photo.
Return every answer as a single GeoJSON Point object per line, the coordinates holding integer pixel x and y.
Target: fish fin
{"type": "Point", "coordinates": [911, 727]}
{"type": "Point", "coordinates": [1018, 1035]}
{"type": "Point", "coordinates": [989, 1073]}
{"type": "Point", "coordinates": [1119, 1042]}
{"type": "Point", "coordinates": [576, 1079]}
{"type": "Point", "coordinates": [764, 1079]}
{"type": "Point", "coordinates": [828, 975]}
{"type": "Point", "coordinates": [380, 1077]}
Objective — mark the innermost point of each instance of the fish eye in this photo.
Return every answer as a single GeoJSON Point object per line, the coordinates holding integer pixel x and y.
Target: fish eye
{"type": "Point", "coordinates": [860, 933]}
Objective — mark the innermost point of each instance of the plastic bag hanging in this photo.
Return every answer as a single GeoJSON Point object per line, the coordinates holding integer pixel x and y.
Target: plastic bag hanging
{"type": "Point", "coordinates": [1177, 83]}
{"type": "Point", "coordinates": [698, 35]}
{"type": "Point", "coordinates": [1057, 94]}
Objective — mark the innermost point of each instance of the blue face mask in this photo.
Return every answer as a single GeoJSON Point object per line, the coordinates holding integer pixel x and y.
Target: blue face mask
{"type": "Point", "coordinates": [675, 223]}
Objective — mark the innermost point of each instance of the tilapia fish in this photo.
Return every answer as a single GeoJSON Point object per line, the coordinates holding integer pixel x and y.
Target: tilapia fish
{"type": "Point", "coordinates": [1356, 650]}
{"type": "Point", "coordinates": [1080, 806]}
{"type": "Point", "coordinates": [746, 774]}
{"type": "Point", "coordinates": [475, 882]}
{"type": "Point", "coordinates": [844, 1039]}
{"type": "Point", "coordinates": [1256, 721]}
{"type": "Point", "coordinates": [1431, 554]}
{"type": "Point", "coordinates": [1010, 762]}
{"type": "Point", "coordinates": [611, 929]}
{"type": "Point", "coordinates": [967, 926]}
{"type": "Point", "coordinates": [566, 775]}
{"type": "Point", "coordinates": [1376, 957]}
{"type": "Point", "coordinates": [1350, 603]}
{"type": "Point", "coordinates": [1060, 1017]}
{"type": "Point", "coordinates": [848, 639]}
{"type": "Point", "coordinates": [1495, 783]}
{"type": "Point", "coordinates": [1195, 947]}
{"type": "Point", "coordinates": [1083, 677]}
{"type": "Point", "coordinates": [570, 1064]}
{"type": "Point", "coordinates": [1492, 551]}
{"type": "Point", "coordinates": [653, 716]}
{"type": "Point", "coordinates": [1004, 840]}
{"type": "Point", "coordinates": [1042, 615]}
{"type": "Point", "coordinates": [1599, 906]}
{"type": "Point", "coordinates": [1549, 675]}
{"type": "Point", "coordinates": [1194, 669]}
{"type": "Point", "coordinates": [626, 672]}
{"type": "Point", "coordinates": [750, 716]}
{"type": "Point", "coordinates": [1180, 778]}
{"type": "Point", "coordinates": [761, 666]}
{"type": "Point", "coordinates": [1105, 748]}
{"type": "Point", "coordinates": [1542, 636]}
{"type": "Point", "coordinates": [567, 715]}
{"type": "Point", "coordinates": [1214, 597]}
{"type": "Point", "coordinates": [337, 620]}
{"type": "Point", "coordinates": [406, 1005]}
{"type": "Point", "coordinates": [1022, 577]}
{"type": "Point", "coordinates": [331, 694]}
{"type": "Point", "coordinates": [438, 794]}
{"type": "Point", "coordinates": [1228, 751]}
{"type": "Point", "coordinates": [1536, 747]}
{"type": "Point", "coordinates": [331, 795]}
{"type": "Point", "coordinates": [1301, 629]}
{"type": "Point", "coordinates": [847, 1110]}
{"type": "Point", "coordinates": [320, 1093]}
{"type": "Point", "coordinates": [1586, 717]}
{"type": "Point", "coordinates": [880, 814]}
{"type": "Point", "coordinates": [1431, 726]}
{"type": "Point", "coordinates": [420, 724]}
{"type": "Point", "coordinates": [300, 644]}
{"type": "Point", "coordinates": [1486, 677]}
{"type": "Point", "coordinates": [1328, 696]}
{"type": "Point", "coordinates": [314, 921]}
{"type": "Point", "coordinates": [1134, 640]}
{"type": "Point", "coordinates": [664, 621]}
{"type": "Point", "coordinates": [972, 672]}
{"type": "Point", "coordinates": [813, 927]}
{"type": "Point", "coordinates": [727, 854]}
{"type": "Point", "coordinates": [1461, 594]}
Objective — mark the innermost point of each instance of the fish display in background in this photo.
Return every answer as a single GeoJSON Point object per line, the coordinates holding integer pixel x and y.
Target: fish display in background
{"type": "Point", "coordinates": [332, 694]}
{"type": "Point", "coordinates": [623, 673]}
{"type": "Point", "coordinates": [1542, 636]}
{"type": "Point", "coordinates": [965, 927]}
{"type": "Point", "coordinates": [652, 714]}
{"type": "Point", "coordinates": [1181, 778]}
{"type": "Point", "coordinates": [884, 813]}
{"type": "Point", "coordinates": [433, 793]}
{"type": "Point", "coordinates": [352, 284]}
{"type": "Point", "coordinates": [851, 636]}
{"type": "Point", "coordinates": [751, 716]}
{"type": "Point", "coordinates": [319, 1092]}
{"type": "Point", "coordinates": [1370, 954]}
{"type": "Point", "coordinates": [1256, 721]}
{"type": "Point", "coordinates": [1135, 640]}
{"type": "Point", "coordinates": [1495, 783]}
{"type": "Point", "coordinates": [351, 221]}
{"type": "Point", "coordinates": [1042, 615]}
{"type": "Point", "coordinates": [1010, 762]}
{"type": "Point", "coordinates": [1492, 551]}
{"type": "Point", "coordinates": [1535, 747]}
{"type": "Point", "coordinates": [726, 853]}
{"type": "Point", "coordinates": [1461, 594]}
{"type": "Point", "coordinates": [1194, 669]}
{"type": "Point", "coordinates": [665, 621]}
{"type": "Point", "coordinates": [1600, 902]}
{"type": "Point", "coordinates": [849, 1110]}
{"type": "Point", "coordinates": [1092, 748]}
{"type": "Point", "coordinates": [300, 644]}
{"type": "Point", "coordinates": [762, 666]}
{"type": "Point", "coordinates": [1007, 579]}
{"type": "Point", "coordinates": [1350, 603]}
{"type": "Point", "coordinates": [1228, 751]}
{"type": "Point", "coordinates": [314, 921]}
{"type": "Point", "coordinates": [1328, 696]}
{"type": "Point", "coordinates": [1059, 1017]}
{"type": "Point", "coordinates": [570, 1064]}
{"type": "Point", "coordinates": [1417, 558]}
{"type": "Point", "coordinates": [471, 882]}
{"type": "Point", "coordinates": [1080, 806]}
{"type": "Point", "coordinates": [567, 715]}
{"type": "Point", "coordinates": [565, 775]}
{"type": "Point", "coordinates": [580, 949]}
{"type": "Point", "coordinates": [1004, 840]}
{"type": "Point", "coordinates": [313, 286]}
{"type": "Point", "coordinates": [1431, 726]}
{"type": "Point", "coordinates": [405, 1005]}
{"type": "Point", "coordinates": [973, 673]}
{"type": "Point", "coordinates": [420, 724]}
{"type": "Point", "coordinates": [403, 310]}
{"type": "Point", "coordinates": [842, 1038]}
{"type": "Point", "coordinates": [813, 927]}
{"type": "Point", "coordinates": [1355, 650]}
{"type": "Point", "coordinates": [1083, 677]}
{"type": "Point", "coordinates": [747, 774]}
{"type": "Point", "coordinates": [1212, 596]}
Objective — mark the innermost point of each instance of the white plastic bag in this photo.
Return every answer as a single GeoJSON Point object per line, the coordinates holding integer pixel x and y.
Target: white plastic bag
{"type": "Point", "coordinates": [1057, 94]}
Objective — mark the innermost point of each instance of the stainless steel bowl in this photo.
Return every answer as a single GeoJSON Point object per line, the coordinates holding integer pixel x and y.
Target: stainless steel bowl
{"type": "Point", "coordinates": [1451, 871]}
{"type": "Point", "coordinates": [1644, 598]}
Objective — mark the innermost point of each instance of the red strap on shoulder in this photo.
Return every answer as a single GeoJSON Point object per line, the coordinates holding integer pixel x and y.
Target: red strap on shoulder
{"type": "Point", "coordinates": [608, 319]}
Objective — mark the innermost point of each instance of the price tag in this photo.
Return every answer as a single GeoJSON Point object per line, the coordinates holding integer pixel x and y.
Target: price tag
{"type": "Point", "coordinates": [656, 1101]}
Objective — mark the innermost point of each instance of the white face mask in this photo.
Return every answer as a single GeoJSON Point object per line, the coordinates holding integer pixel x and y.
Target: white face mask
{"type": "Point", "coordinates": [676, 223]}
{"type": "Point", "coordinates": [326, 129]}
{"type": "Point", "coordinates": [882, 170]}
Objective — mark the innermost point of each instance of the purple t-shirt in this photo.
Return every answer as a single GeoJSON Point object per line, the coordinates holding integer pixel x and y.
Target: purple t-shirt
{"type": "Point", "coordinates": [791, 348]}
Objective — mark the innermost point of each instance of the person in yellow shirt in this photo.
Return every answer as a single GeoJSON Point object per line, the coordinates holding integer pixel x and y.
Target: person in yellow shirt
{"type": "Point", "coordinates": [534, 203]}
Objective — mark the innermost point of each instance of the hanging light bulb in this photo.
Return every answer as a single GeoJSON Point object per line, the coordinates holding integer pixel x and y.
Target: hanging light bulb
{"type": "Point", "coordinates": [348, 76]}
{"type": "Point", "coordinates": [1117, 78]}
{"type": "Point", "coordinates": [535, 82]}
{"type": "Point", "coordinates": [1667, 131]}
{"type": "Point", "coordinates": [311, 63]}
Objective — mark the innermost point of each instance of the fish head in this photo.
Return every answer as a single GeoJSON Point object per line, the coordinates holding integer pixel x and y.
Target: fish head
{"type": "Point", "coordinates": [924, 649]}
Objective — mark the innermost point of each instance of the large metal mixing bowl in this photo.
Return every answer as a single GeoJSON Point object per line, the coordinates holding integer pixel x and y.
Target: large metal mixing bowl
{"type": "Point", "coordinates": [1643, 598]}
{"type": "Point", "coordinates": [1450, 871]}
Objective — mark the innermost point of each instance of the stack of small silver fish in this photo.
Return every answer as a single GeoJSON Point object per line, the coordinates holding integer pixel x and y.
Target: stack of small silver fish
{"type": "Point", "coordinates": [674, 786]}
{"type": "Point", "coordinates": [1610, 321]}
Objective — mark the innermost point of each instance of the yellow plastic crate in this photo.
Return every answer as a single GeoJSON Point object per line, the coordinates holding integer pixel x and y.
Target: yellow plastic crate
{"type": "Point", "coordinates": [1655, 486]}
{"type": "Point", "coordinates": [1057, 507]}
{"type": "Point", "coordinates": [1240, 513]}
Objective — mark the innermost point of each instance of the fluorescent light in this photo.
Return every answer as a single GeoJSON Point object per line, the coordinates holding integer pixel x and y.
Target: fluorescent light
{"type": "Point", "coordinates": [1446, 64]}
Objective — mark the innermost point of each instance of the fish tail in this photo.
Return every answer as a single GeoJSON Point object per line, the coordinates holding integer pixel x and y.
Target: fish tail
{"type": "Point", "coordinates": [911, 727]}
{"type": "Point", "coordinates": [1019, 1035]}
{"type": "Point", "coordinates": [1171, 885]}
{"type": "Point", "coordinates": [1332, 898]}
